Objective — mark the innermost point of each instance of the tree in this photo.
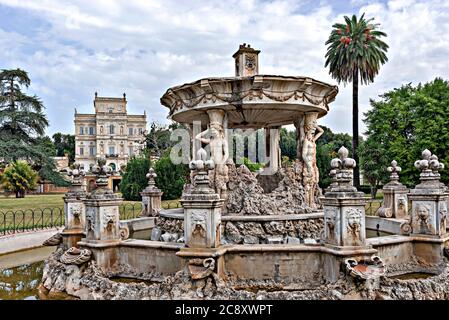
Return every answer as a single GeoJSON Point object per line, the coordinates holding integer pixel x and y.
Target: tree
{"type": "Point", "coordinates": [327, 149]}
{"type": "Point", "coordinates": [409, 119]}
{"type": "Point", "coordinates": [170, 177]}
{"type": "Point", "coordinates": [287, 143]}
{"type": "Point", "coordinates": [355, 51]}
{"type": "Point", "coordinates": [21, 116]}
{"type": "Point", "coordinates": [374, 163]}
{"type": "Point", "coordinates": [65, 144]}
{"type": "Point", "coordinates": [18, 177]}
{"type": "Point", "coordinates": [158, 138]}
{"type": "Point", "coordinates": [134, 178]}
{"type": "Point", "coordinates": [22, 126]}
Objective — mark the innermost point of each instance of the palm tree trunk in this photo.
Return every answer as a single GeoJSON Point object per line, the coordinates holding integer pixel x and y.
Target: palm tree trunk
{"type": "Point", "coordinates": [355, 126]}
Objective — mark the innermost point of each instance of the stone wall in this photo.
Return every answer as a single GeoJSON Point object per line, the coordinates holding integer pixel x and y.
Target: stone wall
{"type": "Point", "coordinates": [256, 229]}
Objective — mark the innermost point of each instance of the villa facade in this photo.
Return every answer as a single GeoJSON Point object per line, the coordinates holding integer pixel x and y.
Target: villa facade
{"type": "Point", "coordinates": [110, 132]}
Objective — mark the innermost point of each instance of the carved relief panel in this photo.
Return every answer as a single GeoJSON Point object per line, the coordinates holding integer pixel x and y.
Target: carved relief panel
{"type": "Point", "coordinates": [331, 225]}
{"type": "Point", "coordinates": [75, 215]}
{"type": "Point", "coordinates": [423, 217]}
{"type": "Point", "coordinates": [401, 206]}
{"type": "Point", "coordinates": [90, 223]}
{"type": "Point", "coordinates": [354, 230]}
{"type": "Point", "coordinates": [109, 225]}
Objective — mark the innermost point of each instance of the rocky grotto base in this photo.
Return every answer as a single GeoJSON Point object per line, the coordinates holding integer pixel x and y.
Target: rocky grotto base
{"type": "Point", "coordinates": [90, 282]}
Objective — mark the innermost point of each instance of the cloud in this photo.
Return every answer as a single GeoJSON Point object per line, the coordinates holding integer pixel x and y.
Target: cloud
{"type": "Point", "coordinates": [74, 48]}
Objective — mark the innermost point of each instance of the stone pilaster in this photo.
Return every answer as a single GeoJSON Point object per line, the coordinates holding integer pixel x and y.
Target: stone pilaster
{"type": "Point", "coordinates": [395, 204]}
{"type": "Point", "coordinates": [151, 197]}
{"type": "Point", "coordinates": [102, 210]}
{"type": "Point", "coordinates": [429, 199]}
{"type": "Point", "coordinates": [74, 210]}
{"type": "Point", "coordinates": [202, 207]}
{"type": "Point", "coordinates": [344, 206]}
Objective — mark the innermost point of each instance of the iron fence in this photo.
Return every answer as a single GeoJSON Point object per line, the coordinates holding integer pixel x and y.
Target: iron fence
{"type": "Point", "coordinates": [130, 210]}
{"type": "Point", "coordinates": [30, 219]}
{"type": "Point", "coordinates": [47, 218]}
{"type": "Point", "coordinates": [371, 206]}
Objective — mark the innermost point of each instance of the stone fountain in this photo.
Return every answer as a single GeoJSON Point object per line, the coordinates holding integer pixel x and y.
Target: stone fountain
{"type": "Point", "coordinates": [233, 238]}
{"type": "Point", "coordinates": [222, 106]}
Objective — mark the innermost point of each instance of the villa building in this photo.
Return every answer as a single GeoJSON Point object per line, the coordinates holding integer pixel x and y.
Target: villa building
{"type": "Point", "coordinates": [111, 133]}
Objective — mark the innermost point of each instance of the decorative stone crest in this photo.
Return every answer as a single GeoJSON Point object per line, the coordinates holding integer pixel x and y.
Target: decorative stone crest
{"type": "Point", "coordinates": [200, 168]}
{"type": "Point", "coordinates": [102, 171]}
{"type": "Point", "coordinates": [343, 167]}
{"type": "Point", "coordinates": [429, 167]}
{"type": "Point", "coordinates": [76, 256]}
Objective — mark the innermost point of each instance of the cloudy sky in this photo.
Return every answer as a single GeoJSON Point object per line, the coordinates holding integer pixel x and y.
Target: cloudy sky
{"type": "Point", "coordinates": [73, 48]}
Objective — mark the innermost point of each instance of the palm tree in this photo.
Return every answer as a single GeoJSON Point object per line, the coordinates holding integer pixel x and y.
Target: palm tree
{"type": "Point", "coordinates": [21, 116]}
{"type": "Point", "coordinates": [355, 51]}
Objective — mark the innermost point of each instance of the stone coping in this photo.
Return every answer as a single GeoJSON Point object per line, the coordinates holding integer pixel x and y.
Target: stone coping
{"type": "Point", "coordinates": [179, 214]}
{"type": "Point", "coordinates": [151, 244]}
{"type": "Point", "coordinates": [396, 239]}
{"type": "Point", "coordinates": [262, 248]}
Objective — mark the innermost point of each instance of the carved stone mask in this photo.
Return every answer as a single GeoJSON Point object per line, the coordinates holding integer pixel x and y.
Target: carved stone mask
{"type": "Point", "coordinates": [354, 220]}
{"type": "Point", "coordinates": [423, 212]}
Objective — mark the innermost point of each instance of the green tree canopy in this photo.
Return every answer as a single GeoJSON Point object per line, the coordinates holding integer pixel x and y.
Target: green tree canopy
{"type": "Point", "coordinates": [407, 120]}
{"type": "Point", "coordinates": [18, 177]}
{"type": "Point", "coordinates": [170, 177]}
{"type": "Point", "coordinates": [64, 144]}
{"type": "Point", "coordinates": [134, 178]}
{"type": "Point", "coordinates": [22, 126]}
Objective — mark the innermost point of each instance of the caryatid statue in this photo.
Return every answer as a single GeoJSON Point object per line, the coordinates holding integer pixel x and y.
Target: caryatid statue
{"type": "Point", "coordinates": [310, 172]}
{"type": "Point", "coordinates": [219, 151]}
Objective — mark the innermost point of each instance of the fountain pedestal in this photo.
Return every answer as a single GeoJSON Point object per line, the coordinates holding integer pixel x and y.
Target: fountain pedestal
{"type": "Point", "coordinates": [344, 207]}
{"type": "Point", "coordinates": [102, 220]}
{"type": "Point", "coordinates": [395, 204]}
{"type": "Point", "coordinates": [429, 199]}
{"type": "Point", "coordinates": [344, 219]}
{"type": "Point", "coordinates": [74, 210]}
{"type": "Point", "coordinates": [202, 220]}
{"type": "Point", "coordinates": [151, 197]}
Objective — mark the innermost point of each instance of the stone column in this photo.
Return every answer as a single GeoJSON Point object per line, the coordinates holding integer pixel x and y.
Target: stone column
{"type": "Point", "coordinates": [272, 149]}
{"type": "Point", "coordinates": [102, 210]}
{"type": "Point", "coordinates": [151, 197]}
{"type": "Point", "coordinates": [202, 207]}
{"type": "Point", "coordinates": [74, 210]}
{"type": "Point", "coordinates": [395, 204]}
{"type": "Point", "coordinates": [429, 199]}
{"type": "Point", "coordinates": [344, 206]}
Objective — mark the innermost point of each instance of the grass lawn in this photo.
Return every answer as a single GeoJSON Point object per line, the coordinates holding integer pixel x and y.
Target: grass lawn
{"type": "Point", "coordinates": [48, 210]}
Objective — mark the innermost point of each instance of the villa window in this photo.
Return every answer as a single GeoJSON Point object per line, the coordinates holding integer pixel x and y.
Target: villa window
{"type": "Point", "coordinates": [130, 151]}
{"type": "Point", "coordinates": [92, 151]}
{"type": "Point", "coordinates": [140, 130]}
{"type": "Point", "coordinates": [111, 150]}
{"type": "Point", "coordinates": [91, 130]}
{"type": "Point", "coordinates": [81, 130]}
{"type": "Point", "coordinates": [130, 131]}
{"type": "Point", "coordinates": [81, 151]}
{"type": "Point", "coordinates": [111, 129]}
